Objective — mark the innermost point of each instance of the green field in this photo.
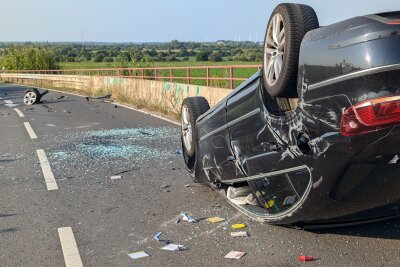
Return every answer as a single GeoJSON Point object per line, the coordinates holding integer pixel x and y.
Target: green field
{"type": "Point", "coordinates": [98, 65]}
{"type": "Point", "coordinates": [182, 73]}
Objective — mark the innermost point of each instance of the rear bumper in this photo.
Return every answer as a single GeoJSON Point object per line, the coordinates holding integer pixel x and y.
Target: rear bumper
{"type": "Point", "coordinates": [355, 187]}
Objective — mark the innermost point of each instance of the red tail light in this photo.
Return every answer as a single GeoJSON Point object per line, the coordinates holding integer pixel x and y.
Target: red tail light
{"type": "Point", "coordinates": [370, 116]}
{"type": "Point", "coordinates": [393, 22]}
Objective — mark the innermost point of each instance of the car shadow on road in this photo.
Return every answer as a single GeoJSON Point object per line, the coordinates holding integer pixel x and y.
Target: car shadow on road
{"type": "Point", "coordinates": [389, 229]}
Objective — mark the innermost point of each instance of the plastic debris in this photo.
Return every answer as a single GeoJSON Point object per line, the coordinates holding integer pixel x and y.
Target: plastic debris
{"type": "Point", "coordinates": [394, 160]}
{"type": "Point", "coordinates": [235, 255]}
{"type": "Point", "coordinates": [239, 234]}
{"type": "Point", "coordinates": [157, 235]}
{"type": "Point", "coordinates": [178, 220]}
{"type": "Point", "coordinates": [60, 97]}
{"type": "Point", "coordinates": [215, 219]}
{"type": "Point", "coordinates": [241, 195]}
{"type": "Point", "coordinates": [179, 151]}
{"type": "Point", "coordinates": [187, 218]}
{"type": "Point", "coordinates": [116, 177]}
{"type": "Point", "coordinates": [173, 247]}
{"type": "Point", "coordinates": [305, 258]}
{"type": "Point", "coordinates": [130, 170]}
{"type": "Point", "coordinates": [289, 200]}
{"type": "Point", "coordinates": [145, 133]}
{"type": "Point", "coordinates": [98, 97]}
{"type": "Point", "coordinates": [238, 226]}
{"type": "Point", "coordinates": [138, 255]}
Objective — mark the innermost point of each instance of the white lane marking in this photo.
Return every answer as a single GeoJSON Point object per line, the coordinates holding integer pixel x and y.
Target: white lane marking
{"type": "Point", "coordinates": [69, 247]}
{"type": "Point", "coordinates": [20, 114]}
{"type": "Point", "coordinates": [30, 130]}
{"type": "Point", "coordinates": [9, 103]}
{"type": "Point", "coordinates": [46, 169]}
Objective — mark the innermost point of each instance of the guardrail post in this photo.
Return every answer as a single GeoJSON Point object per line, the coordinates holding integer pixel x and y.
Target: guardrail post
{"type": "Point", "coordinates": [142, 73]}
{"type": "Point", "coordinates": [231, 76]}
{"type": "Point", "coordinates": [188, 75]}
{"type": "Point", "coordinates": [208, 76]}
{"type": "Point", "coordinates": [170, 75]}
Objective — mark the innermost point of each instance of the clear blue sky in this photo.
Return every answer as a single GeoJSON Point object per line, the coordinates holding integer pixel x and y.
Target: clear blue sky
{"type": "Point", "coordinates": [158, 20]}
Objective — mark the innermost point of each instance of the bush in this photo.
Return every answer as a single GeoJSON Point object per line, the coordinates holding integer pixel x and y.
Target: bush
{"type": "Point", "coordinates": [202, 55]}
{"type": "Point", "coordinates": [27, 58]}
{"type": "Point", "coordinates": [215, 56]}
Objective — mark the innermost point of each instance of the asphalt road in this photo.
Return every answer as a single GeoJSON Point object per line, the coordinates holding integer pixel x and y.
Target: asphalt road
{"type": "Point", "coordinates": [98, 221]}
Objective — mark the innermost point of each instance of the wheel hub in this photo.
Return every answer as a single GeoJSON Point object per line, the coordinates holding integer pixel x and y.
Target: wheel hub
{"type": "Point", "coordinates": [274, 49]}
{"type": "Point", "coordinates": [29, 98]}
{"type": "Point", "coordinates": [186, 128]}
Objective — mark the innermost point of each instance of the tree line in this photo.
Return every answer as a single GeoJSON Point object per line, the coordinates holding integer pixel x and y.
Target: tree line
{"type": "Point", "coordinates": [31, 55]}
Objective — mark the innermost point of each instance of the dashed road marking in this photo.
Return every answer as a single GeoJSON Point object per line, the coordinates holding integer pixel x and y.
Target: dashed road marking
{"type": "Point", "coordinates": [46, 169]}
{"type": "Point", "coordinates": [9, 103]}
{"type": "Point", "coordinates": [30, 130]}
{"type": "Point", "coordinates": [69, 247]}
{"type": "Point", "coordinates": [20, 114]}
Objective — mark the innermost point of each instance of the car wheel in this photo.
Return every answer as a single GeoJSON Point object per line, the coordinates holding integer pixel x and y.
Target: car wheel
{"type": "Point", "coordinates": [32, 96]}
{"type": "Point", "coordinates": [192, 108]}
{"type": "Point", "coordinates": [286, 28]}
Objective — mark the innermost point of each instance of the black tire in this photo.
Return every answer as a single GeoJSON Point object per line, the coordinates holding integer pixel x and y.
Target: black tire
{"type": "Point", "coordinates": [297, 21]}
{"type": "Point", "coordinates": [195, 106]}
{"type": "Point", "coordinates": [32, 96]}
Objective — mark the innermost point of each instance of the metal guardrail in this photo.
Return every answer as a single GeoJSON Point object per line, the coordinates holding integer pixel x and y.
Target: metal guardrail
{"type": "Point", "coordinates": [217, 76]}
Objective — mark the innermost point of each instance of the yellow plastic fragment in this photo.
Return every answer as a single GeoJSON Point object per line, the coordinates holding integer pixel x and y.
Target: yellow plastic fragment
{"type": "Point", "coordinates": [215, 219]}
{"type": "Point", "coordinates": [238, 226]}
{"type": "Point", "coordinates": [270, 204]}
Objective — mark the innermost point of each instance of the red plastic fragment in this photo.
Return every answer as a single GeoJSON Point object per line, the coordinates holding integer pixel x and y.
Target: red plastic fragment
{"type": "Point", "coordinates": [305, 258]}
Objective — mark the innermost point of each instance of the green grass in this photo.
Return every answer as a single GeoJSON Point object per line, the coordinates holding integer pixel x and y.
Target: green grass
{"type": "Point", "coordinates": [182, 73]}
{"type": "Point", "coordinates": [98, 65]}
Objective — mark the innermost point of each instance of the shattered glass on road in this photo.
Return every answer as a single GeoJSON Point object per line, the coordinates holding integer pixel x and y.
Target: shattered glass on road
{"type": "Point", "coordinates": [114, 148]}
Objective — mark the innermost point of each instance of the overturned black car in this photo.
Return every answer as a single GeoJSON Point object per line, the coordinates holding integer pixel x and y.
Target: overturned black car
{"type": "Point", "coordinates": [313, 138]}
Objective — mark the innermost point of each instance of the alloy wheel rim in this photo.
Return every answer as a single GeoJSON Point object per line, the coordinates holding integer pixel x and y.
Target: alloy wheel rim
{"type": "Point", "coordinates": [186, 128]}
{"type": "Point", "coordinates": [274, 49]}
{"type": "Point", "coordinates": [29, 98]}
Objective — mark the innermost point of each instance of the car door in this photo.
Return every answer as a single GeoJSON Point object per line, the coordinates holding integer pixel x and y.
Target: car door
{"type": "Point", "coordinates": [215, 150]}
{"type": "Point", "coordinates": [256, 147]}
